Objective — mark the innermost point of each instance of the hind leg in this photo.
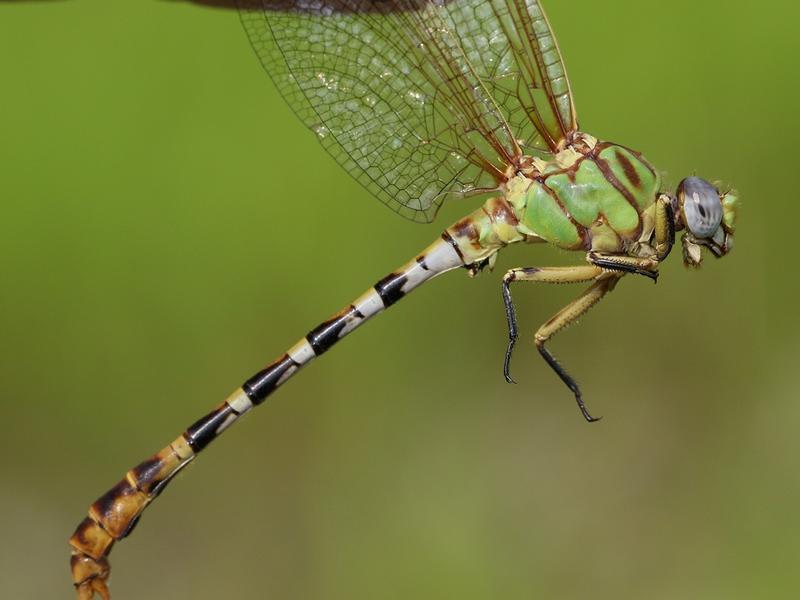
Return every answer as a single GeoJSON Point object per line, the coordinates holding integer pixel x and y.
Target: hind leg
{"type": "Point", "coordinates": [604, 282]}
{"type": "Point", "coordinates": [578, 274]}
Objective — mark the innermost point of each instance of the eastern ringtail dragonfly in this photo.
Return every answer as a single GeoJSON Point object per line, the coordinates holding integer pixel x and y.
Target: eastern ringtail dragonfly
{"type": "Point", "coordinates": [421, 100]}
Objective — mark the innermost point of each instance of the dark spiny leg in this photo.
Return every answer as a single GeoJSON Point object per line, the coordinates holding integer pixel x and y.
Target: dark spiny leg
{"type": "Point", "coordinates": [545, 275]}
{"type": "Point", "coordinates": [568, 381]}
{"type": "Point", "coordinates": [513, 333]}
{"type": "Point", "coordinates": [564, 317]}
{"type": "Point", "coordinates": [626, 264]}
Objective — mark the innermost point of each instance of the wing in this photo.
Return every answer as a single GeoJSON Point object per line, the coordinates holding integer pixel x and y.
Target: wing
{"type": "Point", "coordinates": [418, 99]}
{"type": "Point", "coordinates": [514, 51]}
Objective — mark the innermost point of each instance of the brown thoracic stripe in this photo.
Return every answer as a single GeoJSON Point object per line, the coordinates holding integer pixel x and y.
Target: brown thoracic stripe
{"type": "Point", "coordinates": [612, 179]}
{"type": "Point", "coordinates": [638, 155]}
{"type": "Point", "coordinates": [583, 232]}
{"type": "Point", "coordinates": [629, 169]}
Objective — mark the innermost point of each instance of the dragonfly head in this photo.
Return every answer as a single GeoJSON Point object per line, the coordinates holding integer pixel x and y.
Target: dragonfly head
{"type": "Point", "coordinates": [709, 217]}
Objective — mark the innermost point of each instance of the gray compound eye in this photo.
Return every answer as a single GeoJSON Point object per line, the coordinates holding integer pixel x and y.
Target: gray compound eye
{"type": "Point", "coordinates": [701, 206]}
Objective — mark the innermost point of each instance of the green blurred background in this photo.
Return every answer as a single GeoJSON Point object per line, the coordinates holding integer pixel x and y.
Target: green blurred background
{"type": "Point", "coordinates": [167, 229]}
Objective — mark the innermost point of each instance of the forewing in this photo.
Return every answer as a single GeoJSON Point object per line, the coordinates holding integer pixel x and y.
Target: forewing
{"type": "Point", "coordinates": [513, 50]}
{"type": "Point", "coordinates": [416, 99]}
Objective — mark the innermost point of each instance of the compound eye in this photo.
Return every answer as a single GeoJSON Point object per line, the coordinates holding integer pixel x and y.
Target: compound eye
{"type": "Point", "coordinates": [701, 206]}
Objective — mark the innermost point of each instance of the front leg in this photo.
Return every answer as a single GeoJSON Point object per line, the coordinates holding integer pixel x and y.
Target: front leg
{"type": "Point", "coordinates": [623, 263]}
{"type": "Point", "coordinates": [664, 232]}
{"type": "Point", "coordinates": [543, 275]}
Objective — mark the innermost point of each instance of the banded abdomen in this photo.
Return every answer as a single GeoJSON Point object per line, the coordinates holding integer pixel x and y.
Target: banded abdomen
{"type": "Point", "coordinates": [468, 243]}
{"type": "Point", "coordinates": [591, 200]}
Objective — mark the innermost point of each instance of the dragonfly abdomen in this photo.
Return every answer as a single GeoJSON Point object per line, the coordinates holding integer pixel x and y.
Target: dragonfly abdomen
{"type": "Point", "coordinates": [588, 200]}
{"type": "Point", "coordinates": [113, 516]}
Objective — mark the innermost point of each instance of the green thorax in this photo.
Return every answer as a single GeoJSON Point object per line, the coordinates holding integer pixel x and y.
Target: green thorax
{"type": "Point", "coordinates": [591, 196]}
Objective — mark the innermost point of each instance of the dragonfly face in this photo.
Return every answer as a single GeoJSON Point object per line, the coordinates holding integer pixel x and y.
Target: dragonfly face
{"type": "Point", "coordinates": [709, 217]}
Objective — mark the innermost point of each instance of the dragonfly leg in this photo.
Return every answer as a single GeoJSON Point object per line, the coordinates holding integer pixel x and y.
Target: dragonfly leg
{"type": "Point", "coordinates": [664, 234]}
{"type": "Point", "coordinates": [567, 315]}
{"type": "Point", "coordinates": [626, 264]}
{"type": "Point", "coordinates": [544, 275]}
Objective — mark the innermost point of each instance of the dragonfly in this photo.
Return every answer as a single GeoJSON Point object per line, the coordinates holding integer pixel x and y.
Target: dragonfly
{"type": "Point", "coordinates": [427, 101]}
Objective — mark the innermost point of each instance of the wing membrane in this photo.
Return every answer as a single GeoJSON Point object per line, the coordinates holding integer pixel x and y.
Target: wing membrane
{"type": "Point", "coordinates": [517, 56]}
{"type": "Point", "coordinates": [417, 99]}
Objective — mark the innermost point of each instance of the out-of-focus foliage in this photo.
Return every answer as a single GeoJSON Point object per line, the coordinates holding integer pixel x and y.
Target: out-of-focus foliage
{"type": "Point", "coordinates": [168, 227]}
